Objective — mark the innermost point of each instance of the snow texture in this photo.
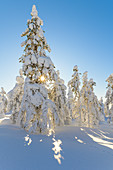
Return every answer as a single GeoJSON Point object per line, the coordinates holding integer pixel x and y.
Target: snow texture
{"type": "Point", "coordinates": [79, 148]}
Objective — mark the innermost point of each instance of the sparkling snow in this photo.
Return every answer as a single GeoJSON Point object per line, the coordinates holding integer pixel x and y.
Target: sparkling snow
{"type": "Point", "coordinates": [71, 148]}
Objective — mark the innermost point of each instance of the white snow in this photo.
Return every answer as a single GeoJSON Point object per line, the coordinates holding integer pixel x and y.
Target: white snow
{"type": "Point", "coordinates": [70, 148]}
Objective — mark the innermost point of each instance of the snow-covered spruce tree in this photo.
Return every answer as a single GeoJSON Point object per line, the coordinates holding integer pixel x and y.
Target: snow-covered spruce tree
{"type": "Point", "coordinates": [38, 113]}
{"type": "Point", "coordinates": [83, 98]}
{"type": "Point", "coordinates": [101, 109]}
{"type": "Point", "coordinates": [94, 109]}
{"type": "Point", "coordinates": [15, 97]}
{"type": "Point", "coordinates": [107, 102]}
{"type": "Point", "coordinates": [93, 117]}
{"type": "Point", "coordinates": [74, 84]}
{"type": "Point", "coordinates": [109, 99]}
{"type": "Point", "coordinates": [35, 62]}
{"type": "Point", "coordinates": [58, 96]}
{"type": "Point", "coordinates": [89, 105]}
{"type": "Point", "coordinates": [3, 103]}
{"type": "Point", "coordinates": [70, 101]}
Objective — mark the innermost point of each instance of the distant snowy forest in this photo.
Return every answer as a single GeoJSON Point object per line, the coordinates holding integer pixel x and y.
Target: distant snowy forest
{"type": "Point", "coordinates": [40, 101]}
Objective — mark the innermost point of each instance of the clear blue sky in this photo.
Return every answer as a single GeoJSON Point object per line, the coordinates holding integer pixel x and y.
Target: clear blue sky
{"type": "Point", "coordinates": [79, 32]}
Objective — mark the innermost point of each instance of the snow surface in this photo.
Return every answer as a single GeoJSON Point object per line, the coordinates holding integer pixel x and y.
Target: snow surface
{"type": "Point", "coordinates": [72, 148]}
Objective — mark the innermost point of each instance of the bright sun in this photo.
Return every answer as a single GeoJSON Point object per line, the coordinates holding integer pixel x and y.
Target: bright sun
{"type": "Point", "coordinates": [42, 78]}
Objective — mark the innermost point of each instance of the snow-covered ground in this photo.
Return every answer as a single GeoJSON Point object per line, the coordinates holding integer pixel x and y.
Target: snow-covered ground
{"type": "Point", "coordinates": [77, 148]}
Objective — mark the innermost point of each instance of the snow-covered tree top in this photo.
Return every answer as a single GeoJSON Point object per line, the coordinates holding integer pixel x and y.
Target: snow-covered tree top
{"type": "Point", "coordinates": [91, 83]}
{"type": "Point", "coordinates": [110, 81]}
{"type": "Point", "coordinates": [109, 92]}
{"type": "Point", "coordinates": [87, 88]}
{"type": "Point", "coordinates": [75, 76]}
{"type": "Point", "coordinates": [34, 12]}
{"type": "Point", "coordinates": [74, 83]}
{"type": "Point", "coordinates": [35, 61]}
{"type": "Point", "coordinates": [75, 68]}
{"type": "Point", "coordinates": [85, 77]}
{"type": "Point", "coordinates": [36, 42]}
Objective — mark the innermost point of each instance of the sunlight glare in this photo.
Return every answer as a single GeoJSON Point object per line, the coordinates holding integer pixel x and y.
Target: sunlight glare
{"type": "Point", "coordinates": [42, 78]}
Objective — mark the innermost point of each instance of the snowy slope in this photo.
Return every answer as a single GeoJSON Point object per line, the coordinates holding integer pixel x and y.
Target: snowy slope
{"type": "Point", "coordinates": [82, 149]}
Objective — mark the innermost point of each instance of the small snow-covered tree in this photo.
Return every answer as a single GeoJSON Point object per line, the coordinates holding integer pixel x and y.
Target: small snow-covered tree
{"type": "Point", "coordinates": [15, 97]}
{"type": "Point", "coordinates": [3, 103]}
{"type": "Point", "coordinates": [74, 86]}
{"type": "Point", "coordinates": [37, 113]}
{"type": "Point", "coordinates": [109, 99]}
{"type": "Point", "coordinates": [58, 96]}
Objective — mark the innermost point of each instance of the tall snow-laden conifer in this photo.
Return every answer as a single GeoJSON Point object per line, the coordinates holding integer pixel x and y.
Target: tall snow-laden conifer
{"type": "Point", "coordinates": [15, 97]}
{"type": "Point", "coordinates": [74, 84]}
{"type": "Point", "coordinates": [58, 96]}
{"type": "Point", "coordinates": [94, 113]}
{"type": "Point", "coordinates": [109, 99]}
{"type": "Point", "coordinates": [84, 98]}
{"type": "Point", "coordinates": [38, 113]}
{"type": "Point", "coordinates": [3, 103]}
{"type": "Point", "coordinates": [89, 105]}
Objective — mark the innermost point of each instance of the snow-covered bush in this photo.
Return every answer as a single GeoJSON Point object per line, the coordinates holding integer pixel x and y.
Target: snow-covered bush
{"type": "Point", "coordinates": [37, 113]}
{"type": "Point", "coordinates": [3, 103]}
{"type": "Point", "coordinates": [15, 97]}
